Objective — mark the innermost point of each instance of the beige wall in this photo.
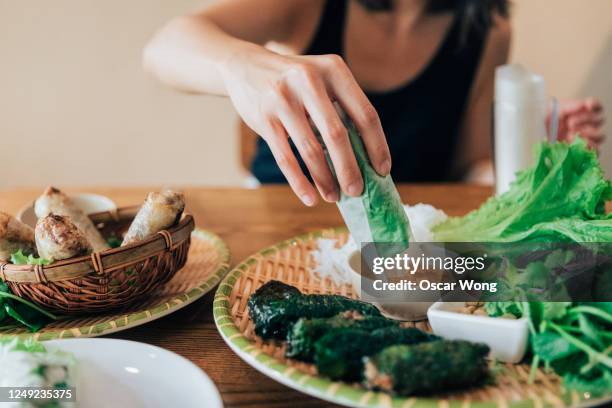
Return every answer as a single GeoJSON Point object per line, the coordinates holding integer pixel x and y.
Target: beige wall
{"type": "Point", "coordinates": [75, 107]}
{"type": "Point", "coordinates": [570, 43]}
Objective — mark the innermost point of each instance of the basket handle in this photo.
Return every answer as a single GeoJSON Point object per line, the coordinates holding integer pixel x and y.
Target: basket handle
{"type": "Point", "coordinates": [2, 274]}
{"type": "Point", "coordinates": [167, 238]}
{"type": "Point", "coordinates": [96, 261]}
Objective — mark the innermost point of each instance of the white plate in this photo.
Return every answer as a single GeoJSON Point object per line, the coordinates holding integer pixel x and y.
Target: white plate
{"type": "Point", "coordinates": [119, 373]}
{"type": "Point", "coordinates": [89, 203]}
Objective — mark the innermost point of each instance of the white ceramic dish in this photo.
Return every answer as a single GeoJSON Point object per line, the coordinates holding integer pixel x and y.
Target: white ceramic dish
{"type": "Point", "coordinates": [89, 203]}
{"type": "Point", "coordinates": [120, 373]}
{"type": "Point", "coordinates": [507, 338]}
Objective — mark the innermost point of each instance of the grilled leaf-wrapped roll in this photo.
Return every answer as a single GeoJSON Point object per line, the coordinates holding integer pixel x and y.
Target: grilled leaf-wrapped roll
{"type": "Point", "coordinates": [302, 337]}
{"type": "Point", "coordinates": [159, 211]}
{"type": "Point", "coordinates": [57, 238]}
{"type": "Point", "coordinates": [427, 367]}
{"type": "Point", "coordinates": [15, 236]}
{"type": "Point", "coordinates": [53, 201]}
{"type": "Point", "coordinates": [339, 353]}
{"type": "Point", "coordinates": [275, 307]}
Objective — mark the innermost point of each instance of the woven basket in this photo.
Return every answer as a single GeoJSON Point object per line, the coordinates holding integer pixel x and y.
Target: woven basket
{"type": "Point", "coordinates": [104, 280]}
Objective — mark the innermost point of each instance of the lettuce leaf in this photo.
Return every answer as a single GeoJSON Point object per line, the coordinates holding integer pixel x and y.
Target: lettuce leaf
{"type": "Point", "coordinates": [28, 345]}
{"type": "Point", "coordinates": [560, 199]}
{"type": "Point", "coordinates": [19, 258]}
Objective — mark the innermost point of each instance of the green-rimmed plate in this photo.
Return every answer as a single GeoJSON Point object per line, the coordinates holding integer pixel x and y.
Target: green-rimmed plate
{"type": "Point", "coordinates": [291, 262]}
{"type": "Point", "coordinates": [207, 264]}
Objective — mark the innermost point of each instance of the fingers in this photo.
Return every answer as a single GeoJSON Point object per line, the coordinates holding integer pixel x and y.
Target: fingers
{"type": "Point", "coordinates": [575, 122]}
{"type": "Point", "coordinates": [345, 89]}
{"type": "Point", "coordinates": [593, 105]}
{"type": "Point", "coordinates": [278, 141]}
{"type": "Point", "coordinates": [293, 118]}
{"type": "Point", "coordinates": [334, 134]}
{"type": "Point", "coordinates": [578, 106]}
{"type": "Point", "coordinates": [582, 117]}
{"type": "Point", "coordinates": [593, 135]}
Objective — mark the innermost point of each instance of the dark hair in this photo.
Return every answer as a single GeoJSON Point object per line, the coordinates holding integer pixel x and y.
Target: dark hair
{"type": "Point", "coordinates": [474, 13]}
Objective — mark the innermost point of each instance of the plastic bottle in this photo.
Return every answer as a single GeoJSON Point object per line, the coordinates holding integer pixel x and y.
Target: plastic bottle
{"type": "Point", "coordinates": [520, 121]}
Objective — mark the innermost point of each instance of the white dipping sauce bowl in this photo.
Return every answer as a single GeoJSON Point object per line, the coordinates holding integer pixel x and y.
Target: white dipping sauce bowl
{"type": "Point", "coordinates": [507, 338]}
{"type": "Point", "coordinates": [89, 203]}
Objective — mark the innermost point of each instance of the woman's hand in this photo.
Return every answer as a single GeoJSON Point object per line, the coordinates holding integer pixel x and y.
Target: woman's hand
{"type": "Point", "coordinates": [278, 97]}
{"type": "Point", "coordinates": [582, 117]}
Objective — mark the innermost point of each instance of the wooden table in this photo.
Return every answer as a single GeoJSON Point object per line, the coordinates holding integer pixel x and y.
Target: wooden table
{"type": "Point", "coordinates": [247, 220]}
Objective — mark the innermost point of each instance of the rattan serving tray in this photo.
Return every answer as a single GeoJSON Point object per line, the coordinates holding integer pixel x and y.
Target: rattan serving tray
{"type": "Point", "coordinates": [291, 262]}
{"type": "Point", "coordinates": [207, 264]}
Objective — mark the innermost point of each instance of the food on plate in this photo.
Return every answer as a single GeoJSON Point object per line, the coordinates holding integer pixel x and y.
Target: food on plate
{"type": "Point", "coordinates": [53, 201]}
{"type": "Point", "coordinates": [64, 231]}
{"type": "Point", "coordinates": [427, 367]}
{"type": "Point", "coordinates": [377, 215]}
{"type": "Point", "coordinates": [572, 338]}
{"type": "Point", "coordinates": [159, 211]}
{"type": "Point", "coordinates": [304, 334]}
{"type": "Point", "coordinates": [339, 335]}
{"type": "Point", "coordinates": [57, 238]}
{"type": "Point", "coordinates": [15, 236]}
{"type": "Point", "coordinates": [275, 307]}
{"type": "Point", "coordinates": [478, 309]}
{"type": "Point", "coordinates": [29, 364]}
{"type": "Point", "coordinates": [339, 353]}
{"type": "Point", "coordinates": [560, 199]}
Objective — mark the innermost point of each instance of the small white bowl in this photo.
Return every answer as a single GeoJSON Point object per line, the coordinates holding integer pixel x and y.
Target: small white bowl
{"type": "Point", "coordinates": [89, 203]}
{"type": "Point", "coordinates": [507, 338]}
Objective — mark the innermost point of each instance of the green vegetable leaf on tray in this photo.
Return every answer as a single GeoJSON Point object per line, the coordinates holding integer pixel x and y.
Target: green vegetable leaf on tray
{"type": "Point", "coordinates": [114, 241]}
{"type": "Point", "coordinates": [19, 258]}
{"type": "Point", "coordinates": [15, 310]}
{"type": "Point", "coordinates": [560, 199]}
{"type": "Point", "coordinates": [28, 345]}
{"type": "Point", "coordinates": [572, 339]}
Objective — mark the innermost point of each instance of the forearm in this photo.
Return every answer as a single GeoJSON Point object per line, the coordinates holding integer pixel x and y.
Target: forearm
{"type": "Point", "coordinates": [191, 53]}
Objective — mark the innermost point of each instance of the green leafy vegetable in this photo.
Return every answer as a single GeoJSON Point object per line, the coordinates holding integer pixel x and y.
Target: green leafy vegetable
{"type": "Point", "coordinates": [560, 199]}
{"type": "Point", "coordinates": [19, 258]}
{"type": "Point", "coordinates": [573, 339]}
{"type": "Point", "coordinates": [114, 241]}
{"type": "Point", "coordinates": [28, 345]}
{"type": "Point", "coordinates": [14, 309]}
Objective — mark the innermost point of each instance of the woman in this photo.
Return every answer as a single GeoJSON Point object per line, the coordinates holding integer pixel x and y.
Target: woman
{"type": "Point", "coordinates": [415, 76]}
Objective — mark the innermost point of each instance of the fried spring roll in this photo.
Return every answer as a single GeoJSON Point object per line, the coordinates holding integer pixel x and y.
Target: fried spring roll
{"type": "Point", "coordinates": [15, 236]}
{"type": "Point", "coordinates": [56, 202]}
{"type": "Point", "coordinates": [159, 211]}
{"type": "Point", "coordinates": [57, 238]}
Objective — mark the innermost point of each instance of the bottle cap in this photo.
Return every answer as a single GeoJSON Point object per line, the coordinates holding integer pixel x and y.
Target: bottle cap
{"type": "Point", "coordinates": [515, 84]}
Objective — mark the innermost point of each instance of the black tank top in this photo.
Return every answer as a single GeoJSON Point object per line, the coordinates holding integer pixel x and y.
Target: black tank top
{"type": "Point", "coordinates": [421, 119]}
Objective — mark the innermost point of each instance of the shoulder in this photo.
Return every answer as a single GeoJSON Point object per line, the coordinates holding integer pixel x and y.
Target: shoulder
{"type": "Point", "coordinates": [495, 53]}
{"type": "Point", "coordinates": [498, 42]}
{"type": "Point", "coordinates": [264, 19]}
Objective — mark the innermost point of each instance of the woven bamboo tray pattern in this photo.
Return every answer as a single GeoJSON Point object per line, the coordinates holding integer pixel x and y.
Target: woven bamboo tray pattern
{"type": "Point", "coordinates": [290, 261]}
{"type": "Point", "coordinates": [207, 264]}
